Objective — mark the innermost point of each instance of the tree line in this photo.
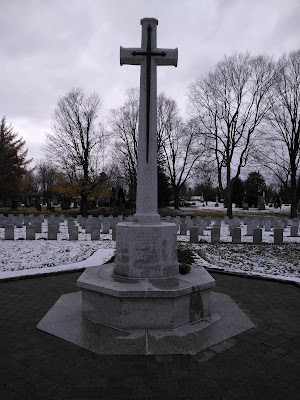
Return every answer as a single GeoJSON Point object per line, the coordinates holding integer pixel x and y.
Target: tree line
{"type": "Point", "coordinates": [245, 112]}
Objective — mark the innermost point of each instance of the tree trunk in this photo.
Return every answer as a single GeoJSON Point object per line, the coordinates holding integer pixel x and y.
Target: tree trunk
{"type": "Point", "coordinates": [293, 213]}
{"type": "Point", "coordinates": [228, 192]}
{"type": "Point", "coordinates": [84, 206]}
{"type": "Point", "coordinates": [176, 197]}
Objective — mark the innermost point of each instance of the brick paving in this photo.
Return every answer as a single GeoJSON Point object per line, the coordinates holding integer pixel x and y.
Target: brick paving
{"type": "Point", "coordinates": [262, 363]}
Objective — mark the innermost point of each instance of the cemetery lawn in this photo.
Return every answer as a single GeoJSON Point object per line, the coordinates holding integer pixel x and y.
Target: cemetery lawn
{"type": "Point", "coordinates": [21, 257]}
{"type": "Point", "coordinates": [280, 262]}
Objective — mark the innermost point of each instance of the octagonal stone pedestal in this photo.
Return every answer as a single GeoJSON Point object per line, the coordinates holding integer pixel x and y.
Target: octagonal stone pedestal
{"type": "Point", "coordinates": [124, 308]}
{"type": "Point", "coordinates": [145, 303]}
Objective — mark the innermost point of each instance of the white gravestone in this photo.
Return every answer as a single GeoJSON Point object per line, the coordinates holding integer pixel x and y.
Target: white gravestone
{"type": "Point", "coordinates": [278, 236]}
{"type": "Point", "coordinates": [9, 232]}
{"type": "Point", "coordinates": [30, 232]}
{"type": "Point", "coordinates": [257, 235]}
{"type": "Point", "coordinates": [183, 229]}
{"type": "Point", "coordinates": [215, 235]}
{"type": "Point", "coordinates": [236, 235]}
{"type": "Point", "coordinates": [73, 232]}
{"type": "Point", "coordinates": [294, 230]}
{"type": "Point", "coordinates": [95, 232]}
{"type": "Point", "coordinates": [52, 232]}
{"type": "Point", "coordinates": [194, 234]}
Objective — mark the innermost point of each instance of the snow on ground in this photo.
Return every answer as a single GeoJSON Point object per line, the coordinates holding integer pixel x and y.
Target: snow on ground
{"type": "Point", "coordinates": [29, 257]}
{"type": "Point", "coordinates": [21, 257]}
{"type": "Point", "coordinates": [200, 206]}
{"type": "Point", "coordinates": [266, 260]}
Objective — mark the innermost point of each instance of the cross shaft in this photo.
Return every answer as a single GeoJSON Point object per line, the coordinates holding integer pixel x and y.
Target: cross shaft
{"type": "Point", "coordinates": [149, 53]}
{"type": "Point", "coordinates": [148, 56]}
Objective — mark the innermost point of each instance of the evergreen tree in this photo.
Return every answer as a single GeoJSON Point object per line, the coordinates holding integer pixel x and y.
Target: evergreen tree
{"type": "Point", "coordinates": [238, 189]}
{"type": "Point", "coordinates": [12, 162]}
{"type": "Point", "coordinates": [255, 185]}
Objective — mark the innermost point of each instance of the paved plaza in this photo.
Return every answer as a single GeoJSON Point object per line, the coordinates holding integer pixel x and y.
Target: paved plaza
{"type": "Point", "coordinates": [262, 363]}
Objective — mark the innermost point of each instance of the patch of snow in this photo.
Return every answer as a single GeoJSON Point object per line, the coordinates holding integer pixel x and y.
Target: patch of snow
{"type": "Point", "coordinates": [22, 257]}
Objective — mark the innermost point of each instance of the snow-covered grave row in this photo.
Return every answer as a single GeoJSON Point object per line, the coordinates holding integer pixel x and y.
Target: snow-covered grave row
{"type": "Point", "coordinates": [30, 257]}
{"type": "Point", "coordinates": [249, 230]}
{"type": "Point", "coordinates": [30, 227]}
{"type": "Point", "coordinates": [256, 230]}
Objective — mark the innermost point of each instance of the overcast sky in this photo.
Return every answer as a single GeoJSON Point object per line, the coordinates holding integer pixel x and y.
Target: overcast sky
{"type": "Point", "coordinates": [48, 47]}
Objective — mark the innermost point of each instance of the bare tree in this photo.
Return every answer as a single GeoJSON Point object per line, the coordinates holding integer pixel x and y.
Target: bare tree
{"type": "Point", "coordinates": [229, 106]}
{"type": "Point", "coordinates": [124, 125]}
{"type": "Point", "coordinates": [177, 142]}
{"type": "Point", "coordinates": [75, 141]}
{"type": "Point", "coordinates": [282, 130]}
{"type": "Point", "coordinates": [179, 145]}
{"type": "Point", "coordinates": [46, 175]}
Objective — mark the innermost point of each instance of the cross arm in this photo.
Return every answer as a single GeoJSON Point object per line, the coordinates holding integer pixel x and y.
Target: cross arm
{"type": "Point", "coordinates": [126, 56]}
{"type": "Point", "coordinates": [170, 58]}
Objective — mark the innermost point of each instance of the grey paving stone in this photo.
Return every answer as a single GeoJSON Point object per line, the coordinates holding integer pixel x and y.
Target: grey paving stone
{"type": "Point", "coordinates": [50, 368]}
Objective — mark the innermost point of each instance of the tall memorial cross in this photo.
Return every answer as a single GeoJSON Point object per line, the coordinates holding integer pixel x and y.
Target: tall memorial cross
{"type": "Point", "coordinates": [148, 57]}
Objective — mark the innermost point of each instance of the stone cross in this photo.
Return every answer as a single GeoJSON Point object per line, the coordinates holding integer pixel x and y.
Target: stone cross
{"type": "Point", "coordinates": [148, 57]}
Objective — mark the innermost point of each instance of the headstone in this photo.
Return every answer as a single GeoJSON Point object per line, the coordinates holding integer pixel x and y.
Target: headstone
{"type": "Point", "coordinates": [18, 223]}
{"type": "Point", "coordinates": [30, 232]}
{"type": "Point", "coordinates": [268, 226]}
{"type": "Point", "coordinates": [295, 221]}
{"type": "Point", "coordinates": [217, 223]}
{"type": "Point", "coordinates": [257, 236]}
{"type": "Point", "coordinates": [285, 221]}
{"type": "Point", "coordinates": [294, 230]}
{"type": "Point", "coordinates": [250, 230]}
{"type": "Point", "coordinates": [73, 232]}
{"type": "Point", "coordinates": [113, 233]}
{"type": "Point", "coordinates": [201, 228]}
{"type": "Point", "coordinates": [278, 236]}
{"type": "Point", "coordinates": [236, 235]}
{"type": "Point", "coordinates": [9, 232]}
{"type": "Point", "coordinates": [215, 235]}
{"type": "Point", "coordinates": [183, 229]}
{"type": "Point", "coordinates": [52, 232]}
{"type": "Point", "coordinates": [95, 232]}
{"type": "Point", "coordinates": [105, 227]}
{"type": "Point", "coordinates": [194, 234]}
{"type": "Point", "coordinates": [88, 227]}
{"type": "Point", "coordinates": [38, 226]}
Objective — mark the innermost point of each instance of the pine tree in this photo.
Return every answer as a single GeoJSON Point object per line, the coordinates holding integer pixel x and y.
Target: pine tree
{"type": "Point", "coordinates": [12, 162]}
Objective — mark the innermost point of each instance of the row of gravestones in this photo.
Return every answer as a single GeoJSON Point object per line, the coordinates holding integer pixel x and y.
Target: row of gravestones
{"type": "Point", "coordinates": [236, 235]}
{"type": "Point", "coordinates": [33, 225]}
{"type": "Point", "coordinates": [254, 228]}
{"type": "Point", "coordinates": [196, 226]}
